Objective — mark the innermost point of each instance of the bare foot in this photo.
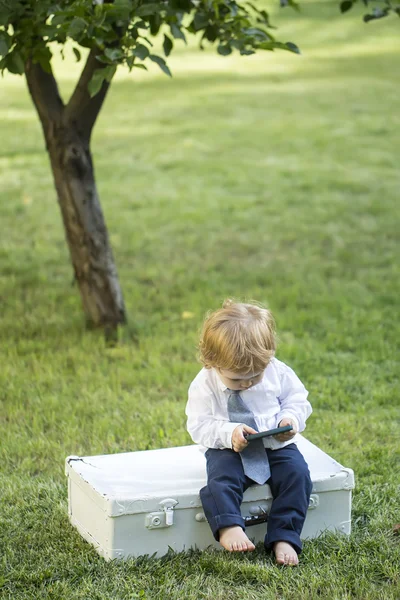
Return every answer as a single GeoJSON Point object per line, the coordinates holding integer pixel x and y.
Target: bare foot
{"type": "Point", "coordinates": [234, 539]}
{"type": "Point", "coordinates": [285, 554]}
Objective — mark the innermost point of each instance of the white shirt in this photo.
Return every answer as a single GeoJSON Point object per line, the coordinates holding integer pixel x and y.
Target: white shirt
{"type": "Point", "coordinates": [279, 394]}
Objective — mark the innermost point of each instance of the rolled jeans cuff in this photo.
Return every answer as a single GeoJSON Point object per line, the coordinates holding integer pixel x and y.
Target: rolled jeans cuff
{"type": "Point", "coordinates": [227, 520]}
{"type": "Point", "coordinates": [283, 535]}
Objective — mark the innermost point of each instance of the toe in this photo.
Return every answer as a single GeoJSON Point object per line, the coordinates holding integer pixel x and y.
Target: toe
{"type": "Point", "coordinates": [280, 558]}
{"type": "Point", "coordinates": [292, 560]}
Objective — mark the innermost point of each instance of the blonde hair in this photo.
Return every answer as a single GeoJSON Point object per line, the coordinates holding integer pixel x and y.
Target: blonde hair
{"type": "Point", "coordinates": [238, 337]}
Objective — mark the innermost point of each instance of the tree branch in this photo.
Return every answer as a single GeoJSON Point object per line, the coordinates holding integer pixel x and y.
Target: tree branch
{"type": "Point", "coordinates": [45, 95]}
{"type": "Point", "coordinates": [81, 108]}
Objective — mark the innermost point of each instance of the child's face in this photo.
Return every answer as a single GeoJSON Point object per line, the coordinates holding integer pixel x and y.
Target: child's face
{"type": "Point", "coordinates": [239, 381]}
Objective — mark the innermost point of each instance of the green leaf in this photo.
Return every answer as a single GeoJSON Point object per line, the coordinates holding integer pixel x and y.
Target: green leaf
{"type": "Point", "coordinates": [5, 43]}
{"type": "Point", "coordinates": [15, 63]}
{"type": "Point", "coordinates": [177, 33]}
{"type": "Point", "coordinates": [291, 3]}
{"type": "Point", "coordinates": [148, 40]}
{"type": "Point", "coordinates": [167, 45]}
{"type": "Point", "coordinates": [99, 42]}
{"type": "Point", "coordinates": [77, 54]}
{"type": "Point", "coordinates": [273, 45]}
{"type": "Point", "coordinates": [94, 85]}
{"type": "Point", "coordinates": [224, 49]}
{"type": "Point", "coordinates": [4, 17]}
{"type": "Point", "coordinates": [122, 9]}
{"type": "Point", "coordinates": [123, 4]}
{"type": "Point", "coordinates": [76, 28]}
{"type": "Point", "coordinates": [210, 33]}
{"type": "Point", "coordinates": [155, 22]}
{"type": "Point", "coordinates": [200, 21]}
{"type": "Point", "coordinates": [161, 63]}
{"type": "Point", "coordinates": [256, 32]}
{"type": "Point", "coordinates": [109, 72]}
{"type": "Point", "coordinates": [264, 18]}
{"type": "Point", "coordinates": [113, 53]}
{"type": "Point", "coordinates": [42, 55]}
{"type": "Point", "coordinates": [377, 13]}
{"type": "Point", "coordinates": [99, 10]}
{"type": "Point", "coordinates": [141, 25]}
{"type": "Point", "coordinates": [292, 47]}
{"type": "Point", "coordinates": [147, 9]}
{"type": "Point", "coordinates": [346, 5]}
{"type": "Point", "coordinates": [141, 51]}
{"type": "Point", "coordinates": [59, 19]}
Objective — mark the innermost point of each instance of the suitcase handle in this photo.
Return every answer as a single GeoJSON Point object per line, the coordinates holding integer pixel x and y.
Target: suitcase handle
{"type": "Point", "coordinates": [255, 520]}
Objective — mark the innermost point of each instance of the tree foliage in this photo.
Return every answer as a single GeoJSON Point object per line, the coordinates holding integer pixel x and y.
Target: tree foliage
{"type": "Point", "coordinates": [120, 31]}
{"type": "Point", "coordinates": [377, 9]}
{"type": "Point", "coordinates": [115, 32]}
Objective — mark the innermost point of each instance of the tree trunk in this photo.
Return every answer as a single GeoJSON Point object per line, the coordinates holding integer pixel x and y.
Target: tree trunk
{"type": "Point", "coordinates": [67, 131]}
{"type": "Point", "coordinates": [85, 229]}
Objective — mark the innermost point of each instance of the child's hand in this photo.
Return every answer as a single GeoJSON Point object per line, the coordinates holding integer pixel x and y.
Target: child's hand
{"type": "Point", "coordinates": [239, 442]}
{"type": "Point", "coordinates": [285, 437]}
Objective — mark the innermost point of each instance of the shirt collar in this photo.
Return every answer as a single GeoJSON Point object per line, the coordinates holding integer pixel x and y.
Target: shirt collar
{"type": "Point", "coordinates": [221, 386]}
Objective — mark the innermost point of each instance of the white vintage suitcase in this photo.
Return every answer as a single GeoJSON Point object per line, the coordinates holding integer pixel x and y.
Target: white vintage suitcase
{"type": "Point", "coordinates": [147, 502]}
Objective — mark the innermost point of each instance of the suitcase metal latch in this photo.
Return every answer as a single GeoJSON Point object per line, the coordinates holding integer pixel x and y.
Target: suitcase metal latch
{"type": "Point", "coordinates": [258, 514]}
{"type": "Point", "coordinates": [164, 518]}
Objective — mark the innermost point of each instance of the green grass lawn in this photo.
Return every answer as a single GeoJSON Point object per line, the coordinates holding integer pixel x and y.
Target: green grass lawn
{"type": "Point", "coordinates": [272, 178]}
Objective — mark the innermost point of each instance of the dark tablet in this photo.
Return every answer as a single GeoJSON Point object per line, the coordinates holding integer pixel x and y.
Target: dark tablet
{"type": "Point", "coordinates": [261, 434]}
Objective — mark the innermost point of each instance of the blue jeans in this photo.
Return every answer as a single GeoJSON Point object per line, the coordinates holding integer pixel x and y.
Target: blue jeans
{"type": "Point", "coordinates": [290, 484]}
